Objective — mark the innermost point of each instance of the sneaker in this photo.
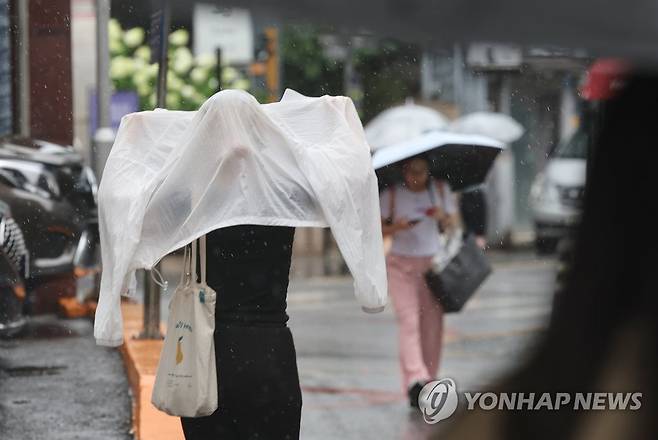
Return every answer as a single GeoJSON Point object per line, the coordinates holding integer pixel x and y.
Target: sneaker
{"type": "Point", "coordinates": [413, 393]}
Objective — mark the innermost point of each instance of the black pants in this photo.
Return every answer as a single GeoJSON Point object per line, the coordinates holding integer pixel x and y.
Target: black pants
{"type": "Point", "coordinates": [257, 379]}
{"type": "Point", "coordinates": [258, 386]}
{"type": "Point", "coordinates": [473, 208]}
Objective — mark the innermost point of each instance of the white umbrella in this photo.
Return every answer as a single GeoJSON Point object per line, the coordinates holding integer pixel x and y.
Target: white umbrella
{"type": "Point", "coordinates": [498, 126]}
{"type": "Point", "coordinates": [463, 160]}
{"type": "Point", "coordinates": [401, 123]}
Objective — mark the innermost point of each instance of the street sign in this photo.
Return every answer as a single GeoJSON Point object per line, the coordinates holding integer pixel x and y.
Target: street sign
{"type": "Point", "coordinates": [231, 30]}
{"type": "Point", "coordinates": [482, 56]}
{"type": "Point", "coordinates": [121, 103]}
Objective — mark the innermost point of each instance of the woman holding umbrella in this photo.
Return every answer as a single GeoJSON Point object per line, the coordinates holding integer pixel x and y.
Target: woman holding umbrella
{"type": "Point", "coordinates": [411, 205]}
{"type": "Point", "coordinates": [410, 212]}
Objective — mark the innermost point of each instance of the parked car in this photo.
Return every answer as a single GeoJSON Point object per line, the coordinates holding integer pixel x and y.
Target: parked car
{"type": "Point", "coordinates": [12, 295]}
{"type": "Point", "coordinates": [557, 192]}
{"type": "Point", "coordinates": [52, 196]}
{"type": "Point", "coordinates": [12, 241]}
{"type": "Point", "coordinates": [13, 266]}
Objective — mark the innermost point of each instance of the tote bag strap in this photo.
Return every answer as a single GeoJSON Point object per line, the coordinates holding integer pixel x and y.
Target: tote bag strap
{"type": "Point", "coordinates": [189, 271]}
{"type": "Point", "coordinates": [202, 249]}
{"type": "Point", "coordinates": [185, 272]}
{"type": "Point", "coordinates": [193, 264]}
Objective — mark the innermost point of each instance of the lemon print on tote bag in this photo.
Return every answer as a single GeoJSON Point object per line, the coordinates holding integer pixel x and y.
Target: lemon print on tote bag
{"type": "Point", "coordinates": [179, 351]}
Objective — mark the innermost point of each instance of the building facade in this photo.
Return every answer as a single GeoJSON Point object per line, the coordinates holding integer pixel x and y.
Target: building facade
{"type": "Point", "coordinates": [35, 69]}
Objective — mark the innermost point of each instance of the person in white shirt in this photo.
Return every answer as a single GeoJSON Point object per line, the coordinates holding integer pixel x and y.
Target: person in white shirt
{"type": "Point", "coordinates": [412, 213]}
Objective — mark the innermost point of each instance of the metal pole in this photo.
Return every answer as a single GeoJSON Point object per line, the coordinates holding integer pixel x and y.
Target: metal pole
{"type": "Point", "coordinates": [23, 61]}
{"type": "Point", "coordinates": [218, 54]}
{"type": "Point", "coordinates": [162, 19]}
{"type": "Point", "coordinates": [163, 61]}
{"type": "Point", "coordinates": [104, 134]}
{"type": "Point", "coordinates": [458, 78]}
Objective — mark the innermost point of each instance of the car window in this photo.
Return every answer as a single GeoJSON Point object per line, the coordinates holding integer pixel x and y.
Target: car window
{"type": "Point", "coordinates": [32, 177]}
{"type": "Point", "coordinates": [574, 147]}
{"type": "Point", "coordinates": [12, 177]}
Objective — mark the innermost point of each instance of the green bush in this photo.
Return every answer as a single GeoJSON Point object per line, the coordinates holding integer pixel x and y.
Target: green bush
{"type": "Point", "coordinates": [190, 80]}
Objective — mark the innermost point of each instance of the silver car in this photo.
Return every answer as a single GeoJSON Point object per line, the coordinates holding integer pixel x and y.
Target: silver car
{"type": "Point", "coordinates": [557, 193]}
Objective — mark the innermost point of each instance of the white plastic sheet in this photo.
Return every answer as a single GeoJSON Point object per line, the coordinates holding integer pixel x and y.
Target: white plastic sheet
{"type": "Point", "coordinates": [173, 176]}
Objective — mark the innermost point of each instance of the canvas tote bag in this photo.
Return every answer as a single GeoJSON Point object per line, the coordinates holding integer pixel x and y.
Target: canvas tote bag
{"type": "Point", "coordinates": [186, 379]}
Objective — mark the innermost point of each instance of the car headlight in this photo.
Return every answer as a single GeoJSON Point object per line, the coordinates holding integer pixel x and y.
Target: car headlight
{"type": "Point", "coordinates": [549, 192]}
{"type": "Point", "coordinates": [536, 188]}
{"type": "Point", "coordinates": [543, 190]}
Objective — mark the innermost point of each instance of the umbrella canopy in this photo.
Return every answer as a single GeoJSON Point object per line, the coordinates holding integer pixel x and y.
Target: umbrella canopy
{"type": "Point", "coordinates": [494, 125]}
{"type": "Point", "coordinates": [401, 123]}
{"type": "Point", "coordinates": [463, 160]}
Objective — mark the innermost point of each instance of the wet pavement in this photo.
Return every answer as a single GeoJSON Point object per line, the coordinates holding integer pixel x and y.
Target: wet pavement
{"type": "Point", "coordinates": [348, 360]}
{"type": "Point", "coordinates": [55, 383]}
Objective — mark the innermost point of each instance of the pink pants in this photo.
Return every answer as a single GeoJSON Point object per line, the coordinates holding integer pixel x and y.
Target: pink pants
{"type": "Point", "coordinates": [419, 316]}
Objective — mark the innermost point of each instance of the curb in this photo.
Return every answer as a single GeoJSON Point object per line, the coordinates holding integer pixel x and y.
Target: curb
{"type": "Point", "coordinates": [71, 308]}
{"type": "Point", "coordinates": [140, 358]}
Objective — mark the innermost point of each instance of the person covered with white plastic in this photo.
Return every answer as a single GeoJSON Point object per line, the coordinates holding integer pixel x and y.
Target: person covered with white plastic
{"type": "Point", "coordinates": [245, 175]}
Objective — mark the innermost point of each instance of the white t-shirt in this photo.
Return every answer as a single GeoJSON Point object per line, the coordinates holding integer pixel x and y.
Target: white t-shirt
{"type": "Point", "coordinates": [422, 239]}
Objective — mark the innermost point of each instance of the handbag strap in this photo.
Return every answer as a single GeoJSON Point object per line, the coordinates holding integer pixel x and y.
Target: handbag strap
{"type": "Point", "coordinates": [439, 187]}
{"type": "Point", "coordinates": [391, 204]}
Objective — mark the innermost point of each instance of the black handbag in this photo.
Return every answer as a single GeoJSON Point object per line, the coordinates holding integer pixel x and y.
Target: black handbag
{"type": "Point", "coordinates": [461, 277]}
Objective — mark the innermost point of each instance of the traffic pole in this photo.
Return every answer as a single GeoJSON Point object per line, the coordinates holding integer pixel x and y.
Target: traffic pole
{"type": "Point", "coordinates": [104, 134]}
{"type": "Point", "coordinates": [218, 55]}
{"type": "Point", "coordinates": [22, 53]}
{"type": "Point", "coordinates": [159, 40]}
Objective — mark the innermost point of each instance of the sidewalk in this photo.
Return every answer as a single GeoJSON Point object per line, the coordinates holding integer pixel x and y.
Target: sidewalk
{"type": "Point", "coordinates": [141, 361]}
